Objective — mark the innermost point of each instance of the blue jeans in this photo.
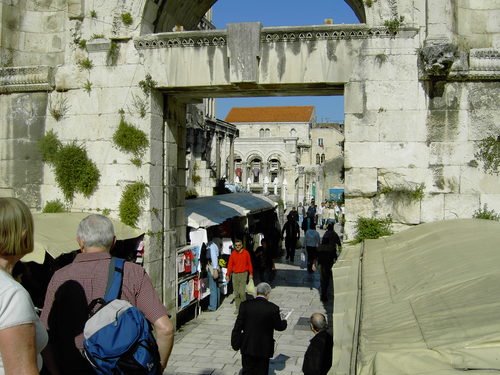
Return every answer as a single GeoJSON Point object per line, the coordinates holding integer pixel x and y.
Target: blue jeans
{"type": "Point", "coordinates": [214, 301]}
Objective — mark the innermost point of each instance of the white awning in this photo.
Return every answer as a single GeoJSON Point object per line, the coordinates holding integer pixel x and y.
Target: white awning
{"type": "Point", "coordinates": [208, 211]}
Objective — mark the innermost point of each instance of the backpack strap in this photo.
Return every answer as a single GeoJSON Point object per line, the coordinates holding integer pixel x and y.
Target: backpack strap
{"type": "Point", "coordinates": [115, 279]}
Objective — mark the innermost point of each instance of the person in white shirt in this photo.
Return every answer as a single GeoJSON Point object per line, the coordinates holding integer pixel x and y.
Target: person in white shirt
{"type": "Point", "coordinates": [22, 335]}
{"type": "Point", "coordinates": [311, 242]}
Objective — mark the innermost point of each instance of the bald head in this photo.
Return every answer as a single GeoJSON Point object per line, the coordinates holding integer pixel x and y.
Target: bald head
{"type": "Point", "coordinates": [318, 322]}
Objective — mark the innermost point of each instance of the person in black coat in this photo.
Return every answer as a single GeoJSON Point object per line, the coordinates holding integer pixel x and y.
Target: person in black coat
{"type": "Point", "coordinates": [254, 329]}
{"type": "Point", "coordinates": [319, 354]}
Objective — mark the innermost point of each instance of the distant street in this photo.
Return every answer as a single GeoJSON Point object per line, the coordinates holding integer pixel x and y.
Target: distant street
{"type": "Point", "coordinates": [202, 346]}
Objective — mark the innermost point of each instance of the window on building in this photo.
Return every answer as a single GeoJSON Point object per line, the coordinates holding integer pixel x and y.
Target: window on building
{"type": "Point", "coordinates": [322, 158]}
{"type": "Point", "coordinates": [256, 166]}
{"type": "Point", "coordinates": [261, 133]}
{"type": "Point", "coordinates": [268, 133]}
{"type": "Point", "coordinates": [320, 142]}
{"type": "Point", "coordinates": [293, 133]}
{"type": "Point", "coordinates": [317, 159]}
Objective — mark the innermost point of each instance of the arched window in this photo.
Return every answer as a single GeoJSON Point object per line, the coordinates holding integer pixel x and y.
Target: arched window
{"type": "Point", "coordinates": [268, 133]}
{"type": "Point", "coordinates": [322, 158]}
{"type": "Point", "coordinates": [293, 133]}
{"type": "Point", "coordinates": [255, 169]}
{"type": "Point", "coordinates": [261, 133]}
{"type": "Point", "coordinates": [317, 159]}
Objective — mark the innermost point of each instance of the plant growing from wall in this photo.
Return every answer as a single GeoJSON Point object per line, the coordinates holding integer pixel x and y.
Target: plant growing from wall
{"type": "Point", "coordinates": [147, 84]}
{"type": "Point", "coordinates": [194, 176]}
{"type": "Point", "coordinates": [54, 207]}
{"type": "Point", "coordinates": [404, 194]}
{"type": "Point", "coordinates": [486, 214]}
{"type": "Point", "coordinates": [394, 24]}
{"type": "Point", "coordinates": [97, 36]}
{"type": "Point", "coordinates": [82, 44]}
{"type": "Point", "coordinates": [113, 53]}
{"type": "Point", "coordinates": [49, 146]}
{"type": "Point", "coordinates": [74, 171]}
{"type": "Point", "coordinates": [58, 107]}
{"type": "Point", "coordinates": [130, 203]}
{"type": "Point", "coordinates": [127, 19]}
{"type": "Point", "coordinates": [191, 194]}
{"type": "Point", "coordinates": [85, 64]}
{"type": "Point", "coordinates": [488, 151]}
{"type": "Point", "coordinates": [93, 14]}
{"type": "Point", "coordinates": [372, 228]}
{"type": "Point", "coordinates": [130, 139]}
{"type": "Point", "coordinates": [139, 105]}
{"type": "Point", "coordinates": [87, 86]}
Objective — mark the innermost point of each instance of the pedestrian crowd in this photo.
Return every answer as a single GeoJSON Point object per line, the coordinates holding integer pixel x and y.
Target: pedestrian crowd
{"type": "Point", "coordinates": [59, 341]}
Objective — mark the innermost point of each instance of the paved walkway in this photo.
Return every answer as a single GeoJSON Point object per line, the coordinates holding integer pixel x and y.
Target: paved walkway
{"type": "Point", "coordinates": [202, 346]}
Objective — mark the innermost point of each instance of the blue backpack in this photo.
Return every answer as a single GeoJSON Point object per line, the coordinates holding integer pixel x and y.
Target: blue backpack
{"type": "Point", "coordinates": [117, 337]}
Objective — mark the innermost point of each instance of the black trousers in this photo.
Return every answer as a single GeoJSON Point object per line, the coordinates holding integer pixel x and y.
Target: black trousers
{"type": "Point", "coordinates": [254, 365]}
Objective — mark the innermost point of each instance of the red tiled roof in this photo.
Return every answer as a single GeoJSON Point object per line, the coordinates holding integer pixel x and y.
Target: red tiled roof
{"type": "Point", "coordinates": [271, 114]}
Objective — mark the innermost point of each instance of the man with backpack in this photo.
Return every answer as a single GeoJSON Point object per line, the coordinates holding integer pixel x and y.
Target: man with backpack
{"type": "Point", "coordinates": [74, 287]}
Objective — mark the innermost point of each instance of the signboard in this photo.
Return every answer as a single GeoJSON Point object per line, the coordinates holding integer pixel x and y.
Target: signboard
{"type": "Point", "coordinates": [335, 194]}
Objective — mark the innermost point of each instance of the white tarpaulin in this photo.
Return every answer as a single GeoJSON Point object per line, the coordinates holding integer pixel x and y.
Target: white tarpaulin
{"type": "Point", "coordinates": [56, 234]}
{"type": "Point", "coordinates": [208, 211]}
{"type": "Point", "coordinates": [430, 301]}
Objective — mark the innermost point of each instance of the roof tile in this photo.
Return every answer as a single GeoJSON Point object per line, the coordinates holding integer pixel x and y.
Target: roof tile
{"type": "Point", "coordinates": [271, 114]}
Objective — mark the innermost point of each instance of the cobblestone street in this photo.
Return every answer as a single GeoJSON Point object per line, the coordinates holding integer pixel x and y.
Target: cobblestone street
{"type": "Point", "coordinates": [202, 346]}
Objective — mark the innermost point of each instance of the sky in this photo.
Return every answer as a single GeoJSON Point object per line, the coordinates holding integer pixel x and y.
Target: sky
{"type": "Point", "coordinates": [284, 13]}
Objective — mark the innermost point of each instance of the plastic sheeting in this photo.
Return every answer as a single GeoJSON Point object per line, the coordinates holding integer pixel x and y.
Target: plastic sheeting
{"type": "Point", "coordinates": [430, 301]}
{"type": "Point", "coordinates": [56, 234]}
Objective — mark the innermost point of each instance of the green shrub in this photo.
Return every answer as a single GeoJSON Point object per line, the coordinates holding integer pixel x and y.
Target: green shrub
{"type": "Point", "coordinates": [54, 207]}
{"type": "Point", "coordinates": [147, 84]}
{"type": "Point", "coordinates": [404, 194]}
{"type": "Point", "coordinates": [127, 19]}
{"type": "Point", "coordinates": [130, 139]}
{"type": "Point", "coordinates": [85, 64]}
{"type": "Point", "coordinates": [130, 203]}
{"type": "Point", "coordinates": [371, 228]}
{"type": "Point", "coordinates": [191, 193]}
{"type": "Point", "coordinates": [49, 146]}
{"type": "Point", "coordinates": [75, 172]}
{"type": "Point", "coordinates": [486, 214]}
{"type": "Point", "coordinates": [489, 153]}
{"type": "Point", "coordinates": [394, 24]}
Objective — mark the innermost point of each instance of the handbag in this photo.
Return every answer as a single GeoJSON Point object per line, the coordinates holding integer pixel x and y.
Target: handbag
{"type": "Point", "coordinates": [250, 288]}
{"type": "Point", "coordinates": [213, 271]}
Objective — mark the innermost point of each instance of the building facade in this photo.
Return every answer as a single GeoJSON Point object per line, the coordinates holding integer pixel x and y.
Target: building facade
{"type": "Point", "coordinates": [283, 149]}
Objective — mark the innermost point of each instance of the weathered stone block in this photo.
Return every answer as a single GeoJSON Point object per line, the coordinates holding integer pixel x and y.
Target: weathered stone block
{"type": "Point", "coordinates": [445, 179]}
{"type": "Point", "coordinates": [359, 207]}
{"type": "Point", "coordinates": [361, 182]}
{"type": "Point", "coordinates": [392, 95]}
{"type": "Point", "coordinates": [475, 181]}
{"type": "Point", "coordinates": [432, 208]}
{"type": "Point", "coordinates": [448, 153]}
{"type": "Point", "coordinates": [459, 206]}
{"type": "Point", "coordinates": [397, 126]}
{"type": "Point", "coordinates": [355, 98]}
{"type": "Point", "coordinates": [361, 128]}
{"type": "Point", "coordinates": [386, 155]}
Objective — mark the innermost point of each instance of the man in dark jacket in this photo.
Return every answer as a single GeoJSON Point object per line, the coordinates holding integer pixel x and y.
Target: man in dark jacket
{"type": "Point", "coordinates": [318, 357]}
{"type": "Point", "coordinates": [327, 256]}
{"type": "Point", "coordinates": [254, 329]}
{"type": "Point", "coordinates": [292, 231]}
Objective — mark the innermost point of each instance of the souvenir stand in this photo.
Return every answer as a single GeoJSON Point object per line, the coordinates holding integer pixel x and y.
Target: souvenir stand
{"type": "Point", "coordinates": [225, 214]}
{"type": "Point", "coordinates": [189, 290]}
